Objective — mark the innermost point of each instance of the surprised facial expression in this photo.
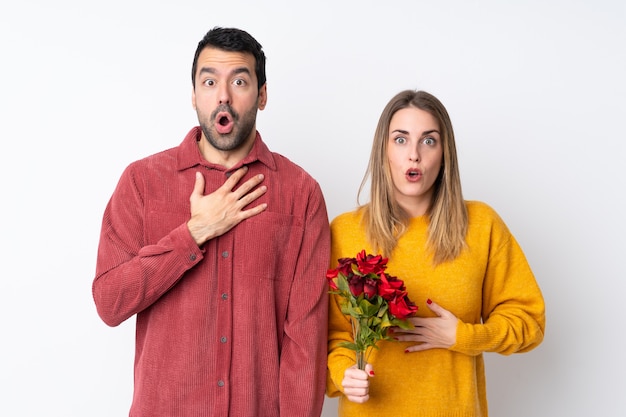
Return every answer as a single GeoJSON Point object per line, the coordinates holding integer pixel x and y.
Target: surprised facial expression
{"type": "Point", "coordinates": [226, 98]}
{"type": "Point", "coordinates": [415, 154]}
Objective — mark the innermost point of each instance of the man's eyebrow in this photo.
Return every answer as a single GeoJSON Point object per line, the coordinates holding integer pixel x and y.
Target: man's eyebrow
{"type": "Point", "coordinates": [208, 70]}
{"type": "Point", "coordinates": [241, 70]}
{"type": "Point", "coordinates": [211, 70]}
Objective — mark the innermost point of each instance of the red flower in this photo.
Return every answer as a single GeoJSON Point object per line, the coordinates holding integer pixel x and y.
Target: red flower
{"type": "Point", "coordinates": [370, 287]}
{"type": "Point", "coordinates": [345, 266]}
{"type": "Point", "coordinates": [356, 284]}
{"type": "Point", "coordinates": [332, 284]}
{"type": "Point", "coordinates": [401, 307]}
{"type": "Point", "coordinates": [370, 264]}
{"type": "Point", "coordinates": [389, 286]}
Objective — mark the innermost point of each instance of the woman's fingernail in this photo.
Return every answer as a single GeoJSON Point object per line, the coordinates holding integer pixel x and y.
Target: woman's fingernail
{"type": "Point", "coordinates": [372, 373]}
{"type": "Point", "coordinates": [406, 351]}
{"type": "Point", "coordinates": [429, 301]}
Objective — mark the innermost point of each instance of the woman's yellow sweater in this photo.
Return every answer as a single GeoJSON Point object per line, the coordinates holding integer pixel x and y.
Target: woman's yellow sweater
{"type": "Point", "coordinates": [489, 287]}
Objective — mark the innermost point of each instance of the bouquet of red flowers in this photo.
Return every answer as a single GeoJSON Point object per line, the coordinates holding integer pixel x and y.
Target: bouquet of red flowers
{"type": "Point", "coordinates": [374, 301]}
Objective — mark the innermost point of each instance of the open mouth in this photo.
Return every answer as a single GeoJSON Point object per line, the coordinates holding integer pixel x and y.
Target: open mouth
{"type": "Point", "coordinates": [413, 174]}
{"type": "Point", "coordinates": [223, 120]}
{"type": "Point", "coordinates": [224, 123]}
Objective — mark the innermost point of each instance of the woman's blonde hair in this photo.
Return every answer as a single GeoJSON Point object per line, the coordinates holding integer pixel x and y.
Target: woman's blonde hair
{"type": "Point", "coordinates": [385, 221]}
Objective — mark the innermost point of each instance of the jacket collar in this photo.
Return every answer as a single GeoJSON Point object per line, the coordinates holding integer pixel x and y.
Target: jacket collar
{"type": "Point", "coordinates": [189, 156]}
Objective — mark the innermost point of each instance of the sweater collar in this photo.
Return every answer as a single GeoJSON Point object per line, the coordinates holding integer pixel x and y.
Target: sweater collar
{"type": "Point", "coordinates": [189, 155]}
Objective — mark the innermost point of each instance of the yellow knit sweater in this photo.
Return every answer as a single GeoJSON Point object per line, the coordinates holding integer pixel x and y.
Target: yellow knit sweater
{"type": "Point", "coordinates": [489, 287]}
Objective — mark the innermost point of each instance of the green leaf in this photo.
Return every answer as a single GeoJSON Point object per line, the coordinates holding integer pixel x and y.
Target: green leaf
{"type": "Point", "coordinates": [367, 307]}
{"type": "Point", "coordinates": [385, 322]}
{"type": "Point", "coordinates": [342, 284]}
{"type": "Point", "coordinates": [404, 324]}
{"type": "Point", "coordinates": [348, 345]}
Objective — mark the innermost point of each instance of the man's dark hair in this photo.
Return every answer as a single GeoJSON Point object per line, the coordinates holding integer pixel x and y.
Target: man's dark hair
{"type": "Point", "coordinates": [233, 40]}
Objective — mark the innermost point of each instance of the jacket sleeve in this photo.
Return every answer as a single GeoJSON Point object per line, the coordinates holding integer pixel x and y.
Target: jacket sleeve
{"type": "Point", "coordinates": [513, 309]}
{"type": "Point", "coordinates": [303, 356]}
{"type": "Point", "coordinates": [131, 274]}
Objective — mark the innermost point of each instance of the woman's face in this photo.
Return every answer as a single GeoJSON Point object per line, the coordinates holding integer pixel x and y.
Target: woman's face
{"type": "Point", "coordinates": [415, 154]}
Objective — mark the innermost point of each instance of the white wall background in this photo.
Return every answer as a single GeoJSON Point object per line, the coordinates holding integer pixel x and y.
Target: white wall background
{"type": "Point", "coordinates": [535, 89]}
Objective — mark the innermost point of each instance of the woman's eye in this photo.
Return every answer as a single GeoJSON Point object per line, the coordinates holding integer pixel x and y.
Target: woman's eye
{"type": "Point", "coordinates": [400, 140]}
{"type": "Point", "coordinates": [429, 141]}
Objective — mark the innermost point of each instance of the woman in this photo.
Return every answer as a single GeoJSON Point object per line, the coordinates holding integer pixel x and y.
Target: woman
{"type": "Point", "coordinates": [457, 259]}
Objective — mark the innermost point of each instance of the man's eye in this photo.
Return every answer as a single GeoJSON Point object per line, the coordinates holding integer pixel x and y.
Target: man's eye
{"type": "Point", "coordinates": [239, 82]}
{"type": "Point", "coordinates": [209, 82]}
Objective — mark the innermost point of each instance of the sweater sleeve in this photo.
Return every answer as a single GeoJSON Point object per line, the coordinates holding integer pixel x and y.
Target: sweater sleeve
{"type": "Point", "coordinates": [513, 310]}
{"type": "Point", "coordinates": [130, 274]}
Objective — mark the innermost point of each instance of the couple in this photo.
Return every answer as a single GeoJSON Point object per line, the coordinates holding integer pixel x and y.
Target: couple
{"type": "Point", "coordinates": [220, 249]}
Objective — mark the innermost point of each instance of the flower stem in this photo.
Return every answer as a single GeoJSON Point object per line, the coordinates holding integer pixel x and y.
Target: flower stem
{"type": "Point", "coordinates": [360, 341]}
{"type": "Point", "coordinates": [360, 359]}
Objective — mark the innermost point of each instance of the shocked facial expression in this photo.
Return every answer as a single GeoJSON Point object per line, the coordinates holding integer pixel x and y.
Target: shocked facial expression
{"type": "Point", "coordinates": [415, 155]}
{"type": "Point", "coordinates": [226, 98]}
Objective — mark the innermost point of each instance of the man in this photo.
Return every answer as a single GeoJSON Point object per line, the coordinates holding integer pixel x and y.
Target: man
{"type": "Point", "coordinates": [220, 248]}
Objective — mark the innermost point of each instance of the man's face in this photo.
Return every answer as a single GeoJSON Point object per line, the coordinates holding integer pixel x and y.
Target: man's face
{"type": "Point", "coordinates": [226, 99]}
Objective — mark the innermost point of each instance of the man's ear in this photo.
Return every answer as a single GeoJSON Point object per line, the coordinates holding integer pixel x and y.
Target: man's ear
{"type": "Point", "coordinates": [263, 96]}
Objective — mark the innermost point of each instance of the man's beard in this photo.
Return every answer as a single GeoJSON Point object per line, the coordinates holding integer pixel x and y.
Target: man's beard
{"type": "Point", "coordinates": [242, 129]}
